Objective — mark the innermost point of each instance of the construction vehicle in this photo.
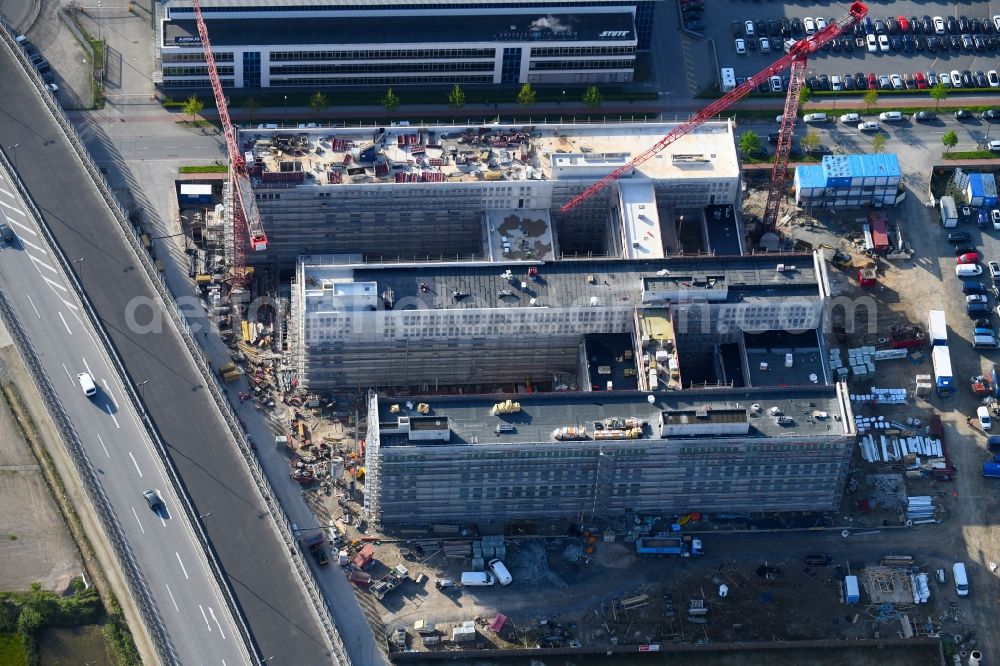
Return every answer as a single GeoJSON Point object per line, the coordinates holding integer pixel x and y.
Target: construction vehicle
{"type": "Point", "coordinates": [665, 544]}
{"type": "Point", "coordinates": [795, 60]}
{"type": "Point", "coordinates": [315, 544]}
{"type": "Point", "coordinates": [228, 372]}
{"type": "Point", "coordinates": [981, 386]}
{"type": "Point", "coordinates": [246, 217]}
{"type": "Point", "coordinates": [390, 581]}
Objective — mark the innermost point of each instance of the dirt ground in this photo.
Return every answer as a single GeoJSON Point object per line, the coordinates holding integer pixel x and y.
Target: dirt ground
{"type": "Point", "coordinates": [34, 544]}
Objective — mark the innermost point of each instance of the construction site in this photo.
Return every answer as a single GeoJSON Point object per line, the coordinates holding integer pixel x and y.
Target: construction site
{"type": "Point", "coordinates": [549, 346]}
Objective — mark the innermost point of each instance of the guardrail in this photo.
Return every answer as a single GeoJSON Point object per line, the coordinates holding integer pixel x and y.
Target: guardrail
{"type": "Point", "coordinates": [179, 322]}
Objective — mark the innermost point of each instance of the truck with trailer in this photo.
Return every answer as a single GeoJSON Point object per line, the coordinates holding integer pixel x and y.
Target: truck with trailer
{"type": "Point", "coordinates": [944, 378]}
{"type": "Point", "coordinates": [667, 544]}
{"type": "Point", "coordinates": [937, 327]}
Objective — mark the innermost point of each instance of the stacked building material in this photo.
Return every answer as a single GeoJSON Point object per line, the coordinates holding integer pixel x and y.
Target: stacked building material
{"type": "Point", "coordinates": [890, 449]}
{"type": "Point", "coordinates": [889, 354]}
{"type": "Point", "coordinates": [861, 360]}
{"type": "Point", "coordinates": [457, 550]}
{"type": "Point", "coordinates": [920, 510]}
{"type": "Point", "coordinates": [881, 396]}
{"type": "Point", "coordinates": [837, 367]}
{"type": "Point", "coordinates": [923, 385]}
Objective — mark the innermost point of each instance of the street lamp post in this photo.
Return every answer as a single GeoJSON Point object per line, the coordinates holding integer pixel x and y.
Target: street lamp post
{"type": "Point", "coordinates": [286, 109]}
{"type": "Point", "coordinates": [13, 149]}
{"type": "Point", "coordinates": [142, 389]}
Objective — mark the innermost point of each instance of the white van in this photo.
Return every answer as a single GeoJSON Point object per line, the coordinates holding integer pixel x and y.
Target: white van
{"type": "Point", "coordinates": [961, 579]}
{"type": "Point", "coordinates": [87, 384]}
{"type": "Point", "coordinates": [890, 116]}
{"type": "Point", "coordinates": [815, 118]}
{"type": "Point", "coordinates": [983, 414]}
{"type": "Point", "coordinates": [850, 118]}
{"type": "Point", "coordinates": [477, 579]}
{"type": "Point", "coordinates": [985, 342]}
{"type": "Point", "coordinates": [500, 571]}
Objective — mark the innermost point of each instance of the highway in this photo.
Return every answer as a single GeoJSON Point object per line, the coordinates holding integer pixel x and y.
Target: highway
{"type": "Point", "coordinates": [279, 612]}
{"type": "Point", "coordinates": [171, 561]}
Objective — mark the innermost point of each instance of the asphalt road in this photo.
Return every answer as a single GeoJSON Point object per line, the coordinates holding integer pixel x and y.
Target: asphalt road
{"type": "Point", "coordinates": [269, 592]}
{"type": "Point", "coordinates": [170, 558]}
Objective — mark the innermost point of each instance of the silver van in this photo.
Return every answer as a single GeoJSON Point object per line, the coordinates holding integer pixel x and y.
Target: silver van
{"type": "Point", "coordinates": [500, 571]}
{"type": "Point", "coordinates": [890, 116]}
{"type": "Point", "coordinates": [815, 118]}
{"type": "Point", "coordinates": [985, 342]}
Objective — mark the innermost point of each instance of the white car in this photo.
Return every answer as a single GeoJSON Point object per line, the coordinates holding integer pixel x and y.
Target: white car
{"type": "Point", "coordinates": [850, 118]}
{"type": "Point", "coordinates": [778, 119]}
{"type": "Point", "coordinates": [809, 25]}
{"type": "Point", "coordinates": [977, 298]}
{"type": "Point", "coordinates": [868, 126]}
{"type": "Point", "coordinates": [872, 44]}
{"type": "Point", "coordinates": [52, 87]}
{"type": "Point", "coordinates": [994, 78]}
{"type": "Point", "coordinates": [897, 81]}
{"type": "Point", "coordinates": [968, 270]}
{"type": "Point", "coordinates": [939, 25]}
{"type": "Point", "coordinates": [932, 79]}
{"type": "Point", "coordinates": [765, 45]}
{"type": "Point", "coordinates": [996, 22]}
{"type": "Point", "coordinates": [883, 43]}
{"type": "Point", "coordinates": [748, 28]}
{"type": "Point", "coordinates": [820, 23]}
{"type": "Point", "coordinates": [995, 216]}
{"type": "Point", "coordinates": [741, 47]}
{"type": "Point", "coordinates": [995, 146]}
{"type": "Point", "coordinates": [776, 84]}
{"type": "Point", "coordinates": [945, 79]}
{"type": "Point", "coordinates": [956, 79]}
{"type": "Point", "coordinates": [983, 413]}
{"type": "Point", "coordinates": [994, 269]}
{"type": "Point", "coordinates": [836, 84]}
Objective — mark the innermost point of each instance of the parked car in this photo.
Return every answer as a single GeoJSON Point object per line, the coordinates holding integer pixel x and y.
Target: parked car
{"type": "Point", "coordinates": [924, 117]}
{"type": "Point", "coordinates": [963, 114]}
{"type": "Point", "coordinates": [868, 126]}
{"type": "Point", "coordinates": [974, 288]}
{"type": "Point", "coordinates": [964, 249]}
{"type": "Point", "coordinates": [995, 216]}
{"type": "Point", "coordinates": [994, 268]}
{"type": "Point", "coordinates": [741, 47]}
{"type": "Point", "coordinates": [983, 414]}
{"type": "Point", "coordinates": [959, 237]}
{"type": "Point", "coordinates": [977, 298]}
{"type": "Point", "coordinates": [991, 114]}
{"type": "Point", "coordinates": [968, 258]}
{"type": "Point", "coordinates": [850, 118]}
{"type": "Point", "coordinates": [920, 80]}
{"type": "Point", "coordinates": [819, 560]}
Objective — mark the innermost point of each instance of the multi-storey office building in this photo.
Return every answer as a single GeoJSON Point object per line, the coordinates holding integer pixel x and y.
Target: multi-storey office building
{"type": "Point", "coordinates": [569, 456]}
{"type": "Point", "coordinates": [442, 193]}
{"type": "Point", "coordinates": [678, 321]}
{"type": "Point", "coordinates": [289, 44]}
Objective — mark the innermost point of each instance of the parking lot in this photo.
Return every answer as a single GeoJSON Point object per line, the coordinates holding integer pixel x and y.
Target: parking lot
{"type": "Point", "coordinates": [858, 59]}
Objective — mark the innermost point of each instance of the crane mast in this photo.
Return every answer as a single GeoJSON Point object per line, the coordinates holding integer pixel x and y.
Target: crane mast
{"type": "Point", "coordinates": [795, 60]}
{"type": "Point", "coordinates": [246, 217]}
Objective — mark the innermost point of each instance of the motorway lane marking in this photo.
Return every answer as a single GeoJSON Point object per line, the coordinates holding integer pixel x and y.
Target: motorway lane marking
{"type": "Point", "coordinates": [9, 194]}
{"type": "Point", "coordinates": [87, 365]}
{"type": "Point", "coordinates": [39, 262]}
{"type": "Point", "coordinates": [67, 373]}
{"type": "Point", "coordinates": [36, 311]}
{"type": "Point", "coordinates": [176, 608]}
{"type": "Point", "coordinates": [108, 407]}
{"type": "Point", "coordinates": [186, 574]}
{"type": "Point", "coordinates": [101, 440]}
{"type": "Point", "coordinates": [137, 520]}
{"type": "Point", "coordinates": [35, 247]}
{"type": "Point", "coordinates": [23, 227]}
{"type": "Point", "coordinates": [69, 305]}
{"type": "Point", "coordinates": [110, 394]}
{"type": "Point", "coordinates": [64, 323]}
{"type": "Point", "coordinates": [12, 208]}
{"type": "Point", "coordinates": [55, 284]}
{"type": "Point", "coordinates": [203, 613]}
{"type": "Point", "coordinates": [211, 611]}
{"type": "Point", "coordinates": [135, 463]}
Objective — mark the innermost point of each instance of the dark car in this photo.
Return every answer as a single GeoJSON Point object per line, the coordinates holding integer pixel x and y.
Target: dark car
{"type": "Point", "coordinates": [860, 82]}
{"type": "Point", "coordinates": [152, 499]}
{"type": "Point", "coordinates": [965, 249]}
{"type": "Point", "coordinates": [924, 117]}
{"type": "Point", "coordinates": [980, 79]}
{"type": "Point", "coordinates": [819, 560]}
{"type": "Point", "coordinates": [761, 25]}
{"type": "Point", "coordinates": [896, 43]}
{"type": "Point", "coordinates": [978, 42]}
{"type": "Point", "coordinates": [891, 26]}
{"type": "Point", "coordinates": [976, 26]}
{"type": "Point", "coordinates": [774, 27]}
{"type": "Point", "coordinates": [848, 44]}
{"type": "Point", "coordinates": [927, 25]}
{"type": "Point", "coordinates": [737, 29]}
{"type": "Point", "coordinates": [963, 114]}
{"type": "Point", "coordinates": [951, 25]}
{"type": "Point", "coordinates": [772, 137]}
{"type": "Point", "coordinates": [969, 288]}
{"type": "Point", "coordinates": [786, 27]}
{"type": "Point", "coordinates": [930, 43]}
{"type": "Point", "coordinates": [915, 26]}
{"type": "Point", "coordinates": [908, 43]}
{"type": "Point", "coordinates": [6, 233]}
{"type": "Point", "coordinates": [824, 82]}
{"type": "Point", "coordinates": [976, 310]}
{"type": "Point", "coordinates": [869, 25]}
{"type": "Point", "coordinates": [879, 27]}
{"type": "Point", "coordinates": [812, 83]}
{"type": "Point", "coordinates": [848, 82]}
{"type": "Point", "coordinates": [797, 27]}
{"type": "Point", "coordinates": [991, 115]}
{"type": "Point", "coordinates": [963, 24]}
{"type": "Point", "coordinates": [955, 43]}
{"type": "Point", "coordinates": [959, 237]}
{"type": "Point", "coordinates": [819, 151]}
{"type": "Point", "coordinates": [966, 79]}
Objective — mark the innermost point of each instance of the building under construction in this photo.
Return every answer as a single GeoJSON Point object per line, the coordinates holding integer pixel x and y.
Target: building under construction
{"type": "Point", "coordinates": [499, 458]}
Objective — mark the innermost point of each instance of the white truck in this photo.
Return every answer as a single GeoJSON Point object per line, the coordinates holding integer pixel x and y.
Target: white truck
{"type": "Point", "coordinates": [477, 579]}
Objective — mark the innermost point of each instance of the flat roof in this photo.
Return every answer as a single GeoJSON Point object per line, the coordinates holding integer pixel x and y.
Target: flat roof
{"type": "Point", "coordinates": [773, 347]}
{"type": "Point", "coordinates": [450, 29]}
{"type": "Point", "coordinates": [215, 6]}
{"type": "Point", "coordinates": [471, 420]}
{"type": "Point", "coordinates": [640, 220]}
{"type": "Point", "coordinates": [612, 282]}
{"type": "Point", "coordinates": [434, 153]}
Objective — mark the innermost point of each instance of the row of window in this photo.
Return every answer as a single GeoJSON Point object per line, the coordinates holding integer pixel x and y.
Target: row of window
{"type": "Point", "coordinates": [195, 57]}
{"type": "Point", "coordinates": [189, 13]}
{"type": "Point", "coordinates": [581, 64]}
{"type": "Point", "coordinates": [381, 80]}
{"type": "Point", "coordinates": [381, 54]}
{"type": "Point", "coordinates": [555, 51]}
{"type": "Point", "coordinates": [192, 83]}
{"type": "Point", "coordinates": [383, 68]}
{"type": "Point", "coordinates": [196, 71]}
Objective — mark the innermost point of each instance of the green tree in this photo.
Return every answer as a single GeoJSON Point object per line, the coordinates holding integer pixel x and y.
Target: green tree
{"type": "Point", "coordinates": [750, 143]}
{"type": "Point", "coordinates": [457, 97]}
{"type": "Point", "coordinates": [252, 106]}
{"type": "Point", "coordinates": [870, 97]}
{"type": "Point", "coordinates": [592, 97]}
{"type": "Point", "coordinates": [527, 95]}
{"type": "Point", "coordinates": [319, 102]}
{"type": "Point", "coordinates": [939, 93]}
{"type": "Point", "coordinates": [878, 143]}
{"type": "Point", "coordinates": [390, 102]}
{"type": "Point", "coordinates": [811, 140]}
{"type": "Point", "coordinates": [804, 94]}
{"type": "Point", "coordinates": [193, 106]}
{"type": "Point", "coordinates": [950, 140]}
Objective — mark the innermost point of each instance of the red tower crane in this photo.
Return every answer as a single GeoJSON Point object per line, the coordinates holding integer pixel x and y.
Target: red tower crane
{"type": "Point", "coordinates": [795, 59]}
{"type": "Point", "coordinates": [246, 217]}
